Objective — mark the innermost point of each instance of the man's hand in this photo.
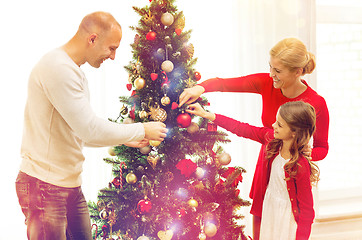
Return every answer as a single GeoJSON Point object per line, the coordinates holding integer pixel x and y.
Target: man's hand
{"type": "Point", "coordinates": [155, 130]}
{"type": "Point", "coordinates": [190, 95]}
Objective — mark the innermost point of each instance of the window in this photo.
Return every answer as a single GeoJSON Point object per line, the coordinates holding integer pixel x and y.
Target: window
{"type": "Point", "coordinates": [339, 81]}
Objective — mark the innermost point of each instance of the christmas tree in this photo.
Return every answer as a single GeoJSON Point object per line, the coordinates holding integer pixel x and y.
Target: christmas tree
{"type": "Point", "coordinates": [179, 188]}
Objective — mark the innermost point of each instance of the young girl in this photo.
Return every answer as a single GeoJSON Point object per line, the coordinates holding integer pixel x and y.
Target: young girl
{"type": "Point", "coordinates": [289, 62]}
{"type": "Point", "coordinates": [286, 203]}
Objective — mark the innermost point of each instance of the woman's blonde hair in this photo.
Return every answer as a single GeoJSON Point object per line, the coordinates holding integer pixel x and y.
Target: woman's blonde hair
{"type": "Point", "coordinates": [293, 54]}
{"type": "Point", "coordinates": [301, 118]}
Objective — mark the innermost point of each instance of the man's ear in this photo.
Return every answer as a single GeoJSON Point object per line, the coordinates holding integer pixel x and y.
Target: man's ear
{"type": "Point", "coordinates": [92, 38]}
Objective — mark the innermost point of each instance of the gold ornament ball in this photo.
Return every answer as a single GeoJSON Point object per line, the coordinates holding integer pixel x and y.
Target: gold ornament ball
{"type": "Point", "coordinates": [139, 83]}
{"type": "Point", "coordinates": [192, 203]}
{"type": "Point", "coordinates": [111, 151]}
{"type": "Point", "coordinates": [145, 150]}
{"type": "Point", "coordinates": [131, 178]}
{"type": "Point", "coordinates": [142, 114]}
{"type": "Point", "coordinates": [167, 19]}
{"type": "Point", "coordinates": [165, 101]}
{"type": "Point", "coordinates": [210, 229]}
{"type": "Point", "coordinates": [154, 143]}
{"type": "Point", "coordinates": [224, 158]}
{"type": "Point", "coordinates": [193, 128]}
{"type": "Point", "coordinates": [158, 114]}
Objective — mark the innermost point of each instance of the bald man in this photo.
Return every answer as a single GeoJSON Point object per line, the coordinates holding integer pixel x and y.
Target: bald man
{"type": "Point", "coordinates": [58, 122]}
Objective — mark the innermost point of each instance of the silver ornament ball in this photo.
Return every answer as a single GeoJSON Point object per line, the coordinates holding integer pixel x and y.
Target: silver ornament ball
{"type": "Point", "coordinates": [167, 66]}
{"type": "Point", "coordinates": [167, 19]}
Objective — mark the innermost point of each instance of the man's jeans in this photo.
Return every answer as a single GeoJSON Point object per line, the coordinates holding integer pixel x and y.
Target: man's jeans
{"type": "Point", "coordinates": [52, 212]}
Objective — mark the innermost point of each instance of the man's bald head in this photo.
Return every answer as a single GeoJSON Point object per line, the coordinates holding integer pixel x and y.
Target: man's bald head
{"type": "Point", "coordinates": [98, 22]}
{"type": "Point", "coordinates": [97, 39]}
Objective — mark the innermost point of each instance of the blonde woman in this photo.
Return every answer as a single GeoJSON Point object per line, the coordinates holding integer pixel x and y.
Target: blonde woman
{"type": "Point", "coordinates": [289, 62]}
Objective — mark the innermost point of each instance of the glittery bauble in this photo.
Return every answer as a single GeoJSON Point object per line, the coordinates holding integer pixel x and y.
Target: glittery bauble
{"type": "Point", "coordinates": [143, 237]}
{"type": "Point", "coordinates": [210, 229]}
{"type": "Point", "coordinates": [153, 160]}
{"type": "Point", "coordinates": [183, 120]}
{"type": "Point", "coordinates": [158, 114]}
{"type": "Point", "coordinates": [131, 178]}
{"type": "Point", "coordinates": [165, 101]}
{"type": "Point", "coordinates": [193, 128]}
{"type": "Point", "coordinates": [167, 19]}
{"type": "Point", "coordinates": [167, 66]}
{"type": "Point", "coordinates": [180, 21]}
{"type": "Point", "coordinates": [144, 206]}
{"type": "Point", "coordinates": [142, 114]}
{"type": "Point", "coordinates": [224, 158]}
{"type": "Point", "coordinates": [154, 143]}
{"type": "Point", "coordinates": [188, 50]}
{"type": "Point", "coordinates": [145, 150]}
{"type": "Point", "coordinates": [139, 83]}
{"type": "Point", "coordinates": [192, 203]}
{"type": "Point", "coordinates": [111, 151]}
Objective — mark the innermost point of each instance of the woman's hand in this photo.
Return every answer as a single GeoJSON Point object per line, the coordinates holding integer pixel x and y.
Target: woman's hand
{"type": "Point", "coordinates": [190, 95]}
{"type": "Point", "coordinates": [197, 110]}
{"type": "Point", "coordinates": [138, 144]}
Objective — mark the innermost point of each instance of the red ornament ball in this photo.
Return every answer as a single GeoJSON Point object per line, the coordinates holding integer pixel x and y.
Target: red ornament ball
{"type": "Point", "coordinates": [144, 206]}
{"type": "Point", "coordinates": [183, 120]}
{"type": "Point", "coordinates": [151, 36]}
{"type": "Point", "coordinates": [197, 76]}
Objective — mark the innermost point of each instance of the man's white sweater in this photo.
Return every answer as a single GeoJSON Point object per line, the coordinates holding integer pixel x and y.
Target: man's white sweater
{"type": "Point", "coordinates": [59, 120]}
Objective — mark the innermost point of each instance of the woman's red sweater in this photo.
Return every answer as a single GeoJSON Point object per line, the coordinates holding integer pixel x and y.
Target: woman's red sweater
{"type": "Point", "coordinates": [262, 84]}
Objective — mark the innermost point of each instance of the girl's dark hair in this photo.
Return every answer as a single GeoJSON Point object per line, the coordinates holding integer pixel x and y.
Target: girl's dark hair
{"type": "Point", "coordinates": [301, 118]}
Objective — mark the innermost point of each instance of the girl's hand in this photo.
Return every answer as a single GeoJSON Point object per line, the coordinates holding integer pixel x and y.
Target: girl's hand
{"type": "Point", "coordinates": [307, 152]}
{"type": "Point", "coordinates": [138, 144]}
{"type": "Point", "coordinates": [197, 110]}
{"type": "Point", "coordinates": [190, 95]}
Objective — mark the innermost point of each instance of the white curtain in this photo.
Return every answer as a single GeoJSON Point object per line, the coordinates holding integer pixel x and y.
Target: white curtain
{"type": "Point", "coordinates": [231, 38]}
